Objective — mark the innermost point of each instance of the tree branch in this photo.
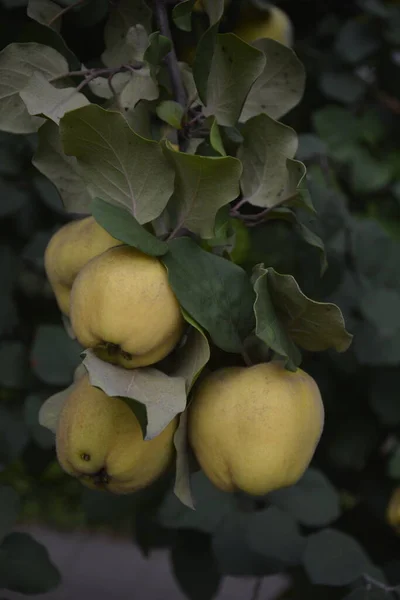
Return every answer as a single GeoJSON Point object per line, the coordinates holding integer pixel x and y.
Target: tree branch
{"type": "Point", "coordinates": [171, 58]}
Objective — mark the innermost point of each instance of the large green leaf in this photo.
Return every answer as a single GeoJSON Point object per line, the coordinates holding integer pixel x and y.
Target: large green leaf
{"type": "Point", "coordinates": [267, 146]}
{"type": "Point", "coordinates": [274, 533]}
{"type": "Point", "coordinates": [216, 293]}
{"type": "Point", "coordinates": [62, 170]}
{"type": "Point", "coordinates": [202, 186]}
{"type": "Point", "coordinates": [43, 99]}
{"type": "Point", "coordinates": [280, 86]}
{"type": "Point", "coordinates": [211, 505]}
{"type": "Point", "coordinates": [120, 166]}
{"type": "Point", "coordinates": [235, 67]}
{"type": "Point", "coordinates": [123, 15]}
{"type": "Point", "coordinates": [25, 566]}
{"type": "Point", "coordinates": [313, 501]}
{"type": "Point", "coordinates": [315, 326]}
{"type": "Point", "coordinates": [334, 558]}
{"type": "Point", "coordinates": [18, 62]}
{"type": "Point", "coordinates": [163, 396]}
{"type": "Point", "coordinates": [54, 356]}
{"type": "Point", "coordinates": [234, 555]}
{"type": "Point", "coordinates": [269, 327]}
{"type": "Point", "coordinates": [124, 227]}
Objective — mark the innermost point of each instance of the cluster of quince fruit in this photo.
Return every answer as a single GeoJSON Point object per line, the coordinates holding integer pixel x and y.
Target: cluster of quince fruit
{"type": "Point", "coordinates": [251, 428]}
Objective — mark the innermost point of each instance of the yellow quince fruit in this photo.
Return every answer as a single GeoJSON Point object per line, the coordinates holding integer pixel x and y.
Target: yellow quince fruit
{"type": "Point", "coordinates": [273, 24]}
{"type": "Point", "coordinates": [68, 251]}
{"type": "Point", "coordinates": [256, 428]}
{"type": "Point", "coordinates": [123, 307]}
{"type": "Point", "coordinates": [99, 440]}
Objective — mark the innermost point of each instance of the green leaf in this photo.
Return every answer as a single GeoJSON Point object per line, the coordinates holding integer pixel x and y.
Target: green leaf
{"type": "Point", "coordinates": [203, 60]}
{"type": "Point", "coordinates": [234, 68]}
{"type": "Point", "coordinates": [9, 509]}
{"type": "Point", "coordinates": [211, 506]}
{"type": "Point", "coordinates": [61, 170]}
{"type": "Point", "coordinates": [368, 174]}
{"type": "Point", "coordinates": [182, 15]}
{"type": "Point", "coordinates": [18, 62]}
{"type": "Point", "coordinates": [234, 555]}
{"type": "Point", "coordinates": [171, 112]}
{"type": "Point", "coordinates": [141, 86]}
{"type": "Point", "coordinates": [42, 98]}
{"type": "Point", "coordinates": [158, 48]}
{"type": "Point", "coordinates": [164, 397]}
{"type": "Point", "coordinates": [124, 227]}
{"type": "Point", "coordinates": [124, 15]}
{"type": "Point", "coordinates": [202, 186]}
{"type": "Point", "coordinates": [120, 166]}
{"type": "Point", "coordinates": [216, 293]}
{"type": "Point", "coordinates": [336, 126]}
{"type": "Point", "coordinates": [215, 138]}
{"type": "Point", "coordinates": [193, 355]}
{"type": "Point", "coordinates": [214, 9]}
{"type": "Point", "coordinates": [342, 86]}
{"type": "Point", "coordinates": [42, 436]}
{"type": "Point", "coordinates": [334, 558]}
{"type": "Point", "coordinates": [54, 356]}
{"type": "Point", "coordinates": [381, 308]}
{"type": "Point", "coordinates": [315, 326]}
{"type": "Point", "coordinates": [14, 367]}
{"type": "Point", "coordinates": [274, 533]}
{"type": "Point", "coordinates": [50, 410]}
{"type": "Point", "coordinates": [269, 327]}
{"type": "Point", "coordinates": [281, 84]}
{"type": "Point", "coordinates": [313, 501]}
{"type": "Point", "coordinates": [356, 40]}
{"type": "Point", "coordinates": [44, 11]}
{"type": "Point", "coordinates": [13, 436]}
{"type": "Point", "coordinates": [26, 566]}
{"type": "Point", "coordinates": [267, 146]}
{"type": "Point", "coordinates": [383, 395]}
{"type": "Point", "coordinates": [182, 485]}
{"type": "Point", "coordinates": [194, 567]}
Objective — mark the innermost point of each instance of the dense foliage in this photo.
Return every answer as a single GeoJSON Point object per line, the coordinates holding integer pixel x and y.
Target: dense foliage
{"type": "Point", "coordinates": [333, 531]}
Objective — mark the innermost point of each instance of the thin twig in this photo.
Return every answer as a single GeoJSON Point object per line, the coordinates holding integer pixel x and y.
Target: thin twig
{"type": "Point", "coordinates": [257, 219]}
{"type": "Point", "coordinates": [63, 11]}
{"type": "Point", "coordinates": [171, 58]}
{"type": "Point", "coordinates": [257, 589]}
{"type": "Point", "coordinates": [99, 72]}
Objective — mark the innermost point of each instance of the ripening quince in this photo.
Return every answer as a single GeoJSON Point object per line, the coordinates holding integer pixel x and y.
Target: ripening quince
{"type": "Point", "coordinates": [256, 428]}
{"type": "Point", "coordinates": [393, 510]}
{"type": "Point", "coordinates": [99, 440]}
{"type": "Point", "coordinates": [70, 248]}
{"type": "Point", "coordinates": [273, 24]}
{"type": "Point", "coordinates": [123, 307]}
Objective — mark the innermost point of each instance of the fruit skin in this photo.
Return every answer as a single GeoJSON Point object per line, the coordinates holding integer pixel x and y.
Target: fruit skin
{"type": "Point", "coordinates": [393, 510]}
{"type": "Point", "coordinates": [68, 251]}
{"type": "Point", "coordinates": [256, 428]}
{"type": "Point", "coordinates": [123, 307]}
{"type": "Point", "coordinates": [274, 24]}
{"type": "Point", "coordinates": [105, 431]}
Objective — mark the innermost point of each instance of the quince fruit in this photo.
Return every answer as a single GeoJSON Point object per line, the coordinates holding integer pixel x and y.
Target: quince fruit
{"type": "Point", "coordinates": [256, 428]}
{"type": "Point", "coordinates": [68, 251]}
{"type": "Point", "coordinates": [123, 307]}
{"type": "Point", "coordinates": [99, 440]}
